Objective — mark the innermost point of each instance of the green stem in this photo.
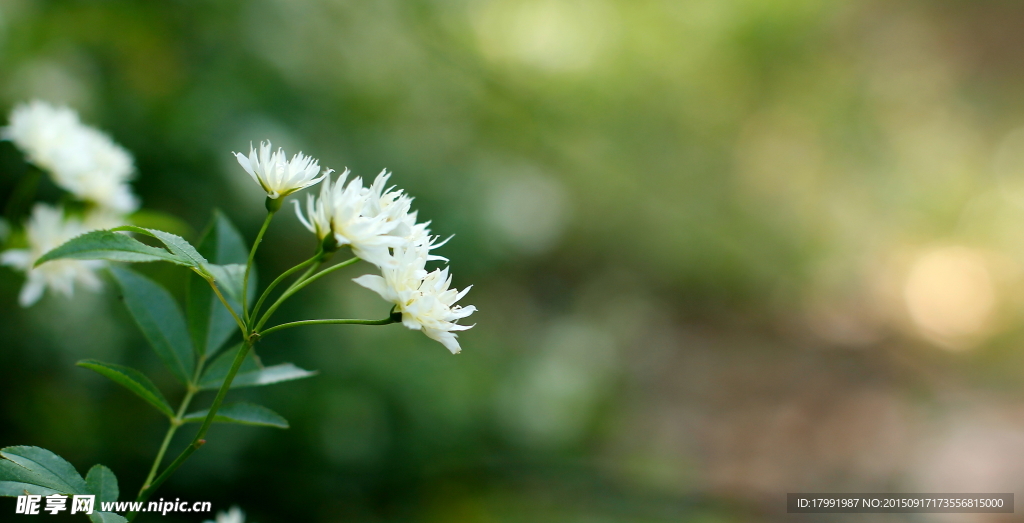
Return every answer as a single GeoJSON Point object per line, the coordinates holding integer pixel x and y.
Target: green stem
{"type": "Point", "coordinates": [298, 286]}
{"type": "Point", "coordinates": [198, 440]}
{"type": "Point", "coordinates": [312, 268]}
{"type": "Point", "coordinates": [216, 291]}
{"type": "Point", "coordinates": [279, 279]}
{"type": "Point", "coordinates": [385, 321]}
{"type": "Point", "coordinates": [248, 265]}
{"type": "Point", "coordinates": [175, 423]}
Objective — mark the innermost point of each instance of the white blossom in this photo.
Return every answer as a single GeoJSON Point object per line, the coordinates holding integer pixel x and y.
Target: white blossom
{"type": "Point", "coordinates": [277, 175]}
{"type": "Point", "coordinates": [396, 206]}
{"type": "Point", "coordinates": [425, 299]}
{"type": "Point", "coordinates": [47, 229]}
{"type": "Point", "coordinates": [81, 159]}
{"type": "Point", "coordinates": [372, 220]}
{"type": "Point", "coordinates": [233, 515]}
{"type": "Point", "coordinates": [341, 210]}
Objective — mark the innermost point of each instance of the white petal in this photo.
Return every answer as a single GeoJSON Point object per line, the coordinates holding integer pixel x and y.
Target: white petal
{"type": "Point", "coordinates": [374, 283]}
{"type": "Point", "coordinates": [31, 292]}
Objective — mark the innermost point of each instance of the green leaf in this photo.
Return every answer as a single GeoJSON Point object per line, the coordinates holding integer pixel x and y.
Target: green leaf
{"type": "Point", "coordinates": [244, 414]}
{"type": "Point", "coordinates": [176, 244]}
{"type": "Point", "coordinates": [250, 374]}
{"type": "Point", "coordinates": [218, 369]}
{"type": "Point", "coordinates": [229, 280]}
{"type": "Point", "coordinates": [107, 245]}
{"type": "Point", "coordinates": [102, 482]}
{"type": "Point", "coordinates": [37, 471]}
{"type": "Point", "coordinates": [209, 323]}
{"type": "Point", "coordinates": [16, 481]}
{"type": "Point", "coordinates": [160, 320]}
{"type": "Point", "coordinates": [106, 517]}
{"type": "Point", "coordinates": [132, 380]}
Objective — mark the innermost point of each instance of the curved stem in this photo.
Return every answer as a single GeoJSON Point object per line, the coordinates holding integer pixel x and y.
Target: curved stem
{"type": "Point", "coordinates": [385, 321]}
{"type": "Point", "coordinates": [248, 265]}
{"type": "Point", "coordinates": [298, 286]}
{"type": "Point", "coordinates": [198, 440]}
{"type": "Point", "coordinates": [279, 279]}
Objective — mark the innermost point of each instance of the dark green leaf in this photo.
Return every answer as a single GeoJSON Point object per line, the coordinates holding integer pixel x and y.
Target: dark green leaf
{"type": "Point", "coordinates": [210, 324]}
{"type": "Point", "coordinates": [244, 414]}
{"type": "Point", "coordinates": [132, 380]}
{"type": "Point", "coordinates": [250, 374]}
{"type": "Point", "coordinates": [106, 245]}
{"type": "Point", "coordinates": [102, 482]}
{"type": "Point", "coordinates": [37, 470]}
{"type": "Point", "coordinates": [160, 320]}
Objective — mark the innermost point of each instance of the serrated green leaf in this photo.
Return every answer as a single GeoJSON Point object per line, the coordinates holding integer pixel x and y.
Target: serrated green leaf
{"type": "Point", "coordinates": [106, 517]}
{"type": "Point", "coordinates": [102, 482]}
{"type": "Point", "coordinates": [132, 380]}
{"type": "Point", "coordinates": [210, 324]}
{"type": "Point", "coordinates": [160, 319]}
{"type": "Point", "coordinates": [244, 414]}
{"type": "Point", "coordinates": [38, 467]}
{"type": "Point", "coordinates": [107, 245]}
{"type": "Point", "coordinates": [176, 244]}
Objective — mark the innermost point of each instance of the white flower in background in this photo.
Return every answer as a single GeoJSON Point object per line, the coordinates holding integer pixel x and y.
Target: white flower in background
{"type": "Point", "coordinates": [234, 515]}
{"type": "Point", "coordinates": [339, 211]}
{"type": "Point", "coordinates": [81, 160]}
{"type": "Point", "coordinates": [47, 229]}
{"type": "Point", "coordinates": [98, 170]}
{"type": "Point", "coordinates": [277, 175]}
{"type": "Point", "coordinates": [425, 300]}
{"type": "Point", "coordinates": [40, 130]}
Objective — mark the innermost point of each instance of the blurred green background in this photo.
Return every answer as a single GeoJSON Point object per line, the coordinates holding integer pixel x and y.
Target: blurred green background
{"type": "Point", "coordinates": [722, 250]}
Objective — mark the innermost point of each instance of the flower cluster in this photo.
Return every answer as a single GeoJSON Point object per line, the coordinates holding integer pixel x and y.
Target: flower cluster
{"type": "Point", "coordinates": [379, 225]}
{"type": "Point", "coordinates": [86, 163]}
{"type": "Point", "coordinates": [81, 159]}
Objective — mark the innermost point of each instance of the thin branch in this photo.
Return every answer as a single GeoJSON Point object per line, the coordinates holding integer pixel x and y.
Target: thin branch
{"type": "Point", "coordinates": [385, 321]}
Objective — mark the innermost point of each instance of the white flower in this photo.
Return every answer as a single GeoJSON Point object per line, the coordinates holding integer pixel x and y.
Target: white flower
{"type": "Point", "coordinates": [46, 229]}
{"type": "Point", "coordinates": [373, 220]}
{"type": "Point", "coordinates": [424, 299]}
{"type": "Point", "coordinates": [276, 174]}
{"type": "Point", "coordinates": [340, 211]}
{"type": "Point", "coordinates": [82, 160]}
{"type": "Point", "coordinates": [234, 515]}
{"type": "Point", "coordinates": [395, 206]}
